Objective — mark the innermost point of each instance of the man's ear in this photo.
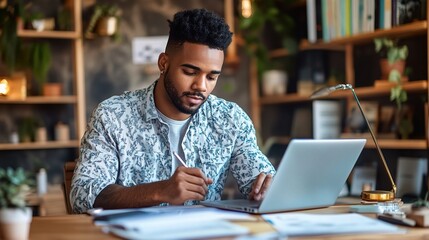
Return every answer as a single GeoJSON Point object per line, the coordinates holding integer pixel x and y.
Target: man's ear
{"type": "Point", "coordinates": [162, 62]}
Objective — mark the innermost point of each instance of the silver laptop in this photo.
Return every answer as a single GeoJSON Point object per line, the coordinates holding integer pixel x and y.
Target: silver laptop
{"type": "Point", "coordinates": [311, 174]}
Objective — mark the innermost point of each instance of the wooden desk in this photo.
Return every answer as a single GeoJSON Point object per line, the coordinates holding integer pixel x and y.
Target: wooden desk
{"type": "Point", "coordinates": [81, 227]}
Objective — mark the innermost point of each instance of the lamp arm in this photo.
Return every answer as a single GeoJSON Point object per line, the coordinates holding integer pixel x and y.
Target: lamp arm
{"type": "Point", "coordinates": [375, 141]}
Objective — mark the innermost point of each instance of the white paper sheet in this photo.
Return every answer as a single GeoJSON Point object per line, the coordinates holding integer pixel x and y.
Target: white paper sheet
{"type": "Point", "coordinates": [178, 222]}
{"type": "Point", "coordinates": [201, 230]}
{"type": "Point", "coordinates": [301, 224]}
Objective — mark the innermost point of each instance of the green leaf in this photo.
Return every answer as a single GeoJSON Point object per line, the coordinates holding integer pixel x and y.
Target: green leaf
{"type": "Point", "coordinates": [395, 76]}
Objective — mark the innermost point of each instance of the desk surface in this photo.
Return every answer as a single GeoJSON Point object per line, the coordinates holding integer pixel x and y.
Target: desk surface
{"type": "Point", "coordinates": [81, 227]}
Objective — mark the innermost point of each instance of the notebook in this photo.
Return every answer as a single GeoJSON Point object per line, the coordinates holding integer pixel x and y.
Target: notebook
{"type": "Point", "coordinates": [311, 174]}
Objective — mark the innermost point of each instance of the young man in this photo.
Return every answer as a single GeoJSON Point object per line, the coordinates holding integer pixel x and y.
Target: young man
{"type": "Point", "coordinates": [127, 156]}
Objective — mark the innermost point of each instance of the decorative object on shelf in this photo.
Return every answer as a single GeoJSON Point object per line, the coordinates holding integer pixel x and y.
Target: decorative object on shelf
{"type": "Point", "coordinates": [4, 87]}
{"type": "Point", "coordinates": [52, 89]}
{"type": "Point", "coordinates": [14, 87]}
{"type": "Point", "coordinates": [27, 129]}
{"type": "Point", "coordinates": [15, 217]}
{"type": "Point", "coordinates": [104, 21]}
{"type": "Point", "coordinates": [274, 82]}
{"type": "Point", "coordinates": [40, 62]}
{"type": "Point", "coordinates": [368, 196]}
{"type": "Point", "coordinates": [43, 24]}
{"type": "Point", "coordinates": [41, 134]}
{"type": "Point", "coordinates": [266, 13]}
{"type": "Point", "coordinates": [42, 182]}
{"type": "Point", "coordinates": [355, 123]}
{"type": "Point", "coordinates": [14, 137]}
{"type": "Point", "coordinates": [62, 132]}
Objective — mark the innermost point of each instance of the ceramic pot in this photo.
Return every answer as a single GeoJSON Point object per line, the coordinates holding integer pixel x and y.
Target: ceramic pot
{"type": "Point", "coordinates": [52, 89]}
{"type": "Point", "coordinates": [386, 67]}
{"type": "Point", "coordinates": [274, 82]}
{"type": "Point", "coordinates": [15, 223]}
{"type": "Point", "coordinates": [107, 26]}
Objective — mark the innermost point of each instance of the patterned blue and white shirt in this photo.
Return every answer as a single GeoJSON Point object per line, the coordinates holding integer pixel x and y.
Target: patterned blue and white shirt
{"type": "Point", "coordinates": [126, 143]}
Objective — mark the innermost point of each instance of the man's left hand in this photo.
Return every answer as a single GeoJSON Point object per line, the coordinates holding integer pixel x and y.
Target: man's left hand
{"type": "Point", "coordinates": [260, 186]}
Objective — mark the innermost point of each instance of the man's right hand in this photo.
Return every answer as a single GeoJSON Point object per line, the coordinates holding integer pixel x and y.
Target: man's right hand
{"type": "Point", "coordinates": [186, 184]}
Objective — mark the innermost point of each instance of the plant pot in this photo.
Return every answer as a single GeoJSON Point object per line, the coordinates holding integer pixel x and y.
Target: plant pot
{"type": "Point", "coordinates": [107, 26]}
{"type": "Point", "coordinates": [52, 89]}
{"type": "Point", "coordinates": [15, 223]}
{"type": "Point", "coordinates": [386, 67]}
{"type": "Point", "coordinates": [274, 82]}
{"type": "Point", "coordinates": [45, 24]}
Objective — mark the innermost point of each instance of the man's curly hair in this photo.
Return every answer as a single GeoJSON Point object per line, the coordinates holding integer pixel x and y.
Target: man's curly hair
{"type": "Point", "coordinates": [199, 26]}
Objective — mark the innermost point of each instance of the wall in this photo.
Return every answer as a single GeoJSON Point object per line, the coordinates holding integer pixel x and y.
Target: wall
{"type": "Point", "coordinates": [108, 65]}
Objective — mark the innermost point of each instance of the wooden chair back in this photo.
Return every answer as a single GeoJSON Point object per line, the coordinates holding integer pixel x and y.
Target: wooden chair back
{"type": "Point", "coordinates": [68, 175]}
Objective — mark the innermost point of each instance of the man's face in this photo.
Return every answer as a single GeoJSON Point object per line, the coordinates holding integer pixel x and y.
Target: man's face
{"type": "Point", "coordinates": [191, 75]}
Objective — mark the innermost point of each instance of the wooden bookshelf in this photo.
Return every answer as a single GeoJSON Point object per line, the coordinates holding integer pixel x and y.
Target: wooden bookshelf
{"type": "Point", "coordinates": [39, 145]}
{"type": "Point", "coordinates": [347, 44]}
{"type": "Point", "coordinates": [40, 100]}
{"type": "Point", "coordinates": [363, 92]}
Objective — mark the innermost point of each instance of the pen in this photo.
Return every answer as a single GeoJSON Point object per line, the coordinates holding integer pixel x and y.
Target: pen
{"type": "Point", "coordinates": [180, 159]}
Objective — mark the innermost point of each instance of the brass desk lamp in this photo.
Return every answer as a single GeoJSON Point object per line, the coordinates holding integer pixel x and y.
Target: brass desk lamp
{"type": "Point", "coordinates": [372, 196]}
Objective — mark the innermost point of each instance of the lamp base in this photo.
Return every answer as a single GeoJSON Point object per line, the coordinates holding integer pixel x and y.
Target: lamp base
{"type": "Point", "coordinates": [377, 196]}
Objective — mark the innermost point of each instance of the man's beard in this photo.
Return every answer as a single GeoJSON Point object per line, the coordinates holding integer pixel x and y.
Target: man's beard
{"type": "Point", "coordinates": [176, 98]}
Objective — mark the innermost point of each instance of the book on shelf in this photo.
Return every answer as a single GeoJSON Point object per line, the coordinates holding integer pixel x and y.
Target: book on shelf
{"type": "Point", "coordinates": [311, 21]}
{"type": "Point", "coordinates": [326, 119]}
{"type": "Point", "coordinates": [409, 176]}
{"type": "Point", "coordinates": [342, 18]}
{"type": "Point", "coordinates": [406, 11]}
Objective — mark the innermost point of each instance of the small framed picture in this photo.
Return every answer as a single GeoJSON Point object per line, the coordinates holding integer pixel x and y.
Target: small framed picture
{"type": "Point", "coordinates": [355, 122]}
{"type": "Point", "coordinates": [387, 119]}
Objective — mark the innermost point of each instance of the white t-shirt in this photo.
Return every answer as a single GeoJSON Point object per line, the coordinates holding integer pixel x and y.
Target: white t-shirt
{"type": "Point", "coordinates": [177, 130]}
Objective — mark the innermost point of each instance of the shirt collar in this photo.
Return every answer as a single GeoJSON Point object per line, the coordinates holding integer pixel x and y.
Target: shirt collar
{"type": "Point", "coordinates": [148, 108]}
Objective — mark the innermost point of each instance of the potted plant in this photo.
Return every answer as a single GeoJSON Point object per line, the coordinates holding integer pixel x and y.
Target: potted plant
{"type": "Point", "coordinates": [40, 62]}
{"type": "Point", "coordinates": [15, 217]}
{"type": "Point", "coordinates": [393, 69]}
{"type": "Point", "coordinates": [104, 21]}
{"type": "Point", "coordinates": [266, 14]}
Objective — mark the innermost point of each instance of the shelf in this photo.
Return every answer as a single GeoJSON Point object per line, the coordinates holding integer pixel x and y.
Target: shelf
{"type": "Point", "coordinates": [406, 30]}
{"type": "Point", "coordinates": [27, 33]}
{"type": "Point", "coordinates": [412, 86]}
{"type": "Point", "coordinates": [415, 144]}
{"type": "Point", "coordinates": [24, 33]}
{"type": "Point", "coordinates": [40, 100]}
{"type": "Point", "coordinates": [37, 145]}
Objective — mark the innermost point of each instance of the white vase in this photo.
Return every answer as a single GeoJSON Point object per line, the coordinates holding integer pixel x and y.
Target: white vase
{"type": "Point", "coordinates": [274, 82]}
{"type": "Point", "coordinates": [15, 223]}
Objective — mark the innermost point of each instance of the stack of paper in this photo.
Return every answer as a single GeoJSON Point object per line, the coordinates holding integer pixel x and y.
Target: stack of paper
{"type": "Point", "coordinates": [172, 223]}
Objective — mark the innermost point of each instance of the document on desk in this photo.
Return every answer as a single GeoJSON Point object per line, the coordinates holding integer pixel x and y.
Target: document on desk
{"type": "Point", "coordinates": [302, 224]}
{"type": "Point", "coordinates": [173, 223]}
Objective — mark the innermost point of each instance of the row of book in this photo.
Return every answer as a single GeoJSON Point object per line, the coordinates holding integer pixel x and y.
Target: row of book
{"type": "Point", "coordinates": [331, 19]}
